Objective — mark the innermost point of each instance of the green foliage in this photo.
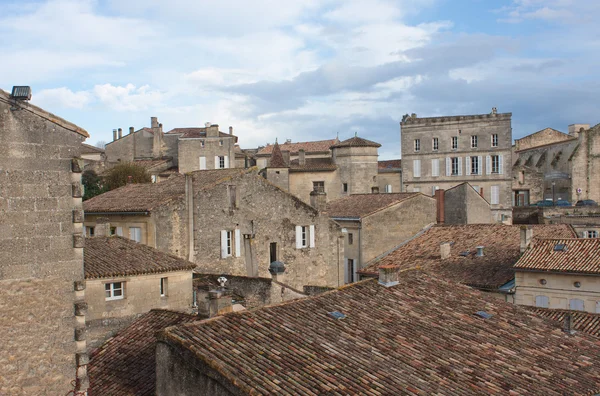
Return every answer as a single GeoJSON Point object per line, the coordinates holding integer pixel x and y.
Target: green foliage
{"type": "Point", "coordinates": [92, 184]}
{"type": "Point", "coordinates": [118, 175]}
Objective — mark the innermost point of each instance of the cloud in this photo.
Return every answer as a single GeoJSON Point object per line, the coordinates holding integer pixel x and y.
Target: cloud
{"type": "Point", "coordinates": [62, 98]}
{"type": "Point", "coordinates": [128, 97]}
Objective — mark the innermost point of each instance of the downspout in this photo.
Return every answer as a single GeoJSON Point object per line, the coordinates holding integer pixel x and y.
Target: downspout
{"type": "Point", "coordinates": [189, 204]}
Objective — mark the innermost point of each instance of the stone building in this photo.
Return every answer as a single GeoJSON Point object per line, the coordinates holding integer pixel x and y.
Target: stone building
{"type": "Point", "coordinates": [441, 152]}
{"type": "Point", "coordinates": [43, 347]}
{"type": "Point", "coordinates": [348, 167]}
{"type": "Point", "coordinates": [560, 274]}
{"type": "Point", "coordinates": [229, 221]}
{"type": "Point", "coordinates": [377, 223]}
{"type": "Point", "coordinates": [187, 149]}
{"type": "Point", "coordinates": [314, 149]}
{"type": "Point", "coordinates": [551, 165]}
{"type": "Point", "coordinates": [389, 176]}
{"type": "Point", "coordinates": [405, 333]}
{"type": "Point", "coordinates": [93, 158]}
{"type": "Point", "coordinates": [463, 205]}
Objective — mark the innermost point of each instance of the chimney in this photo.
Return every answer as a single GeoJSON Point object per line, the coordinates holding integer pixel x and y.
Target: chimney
{"type": "Point", "coordinates": [219, 302]}
{"type": "Point", "coordinates": [286, 157]}
{"type": "Point", "coordinates": [153, 122]}
{"type": "Point", "coordinates": [389, 275]}
{"type": "Point", "coordinates": [318, 200]}
{"type": "Point", "coordinates": [445, 250]}
{"type": "Point", "coordinates": [526, 235]}
{"type": "Point", "coordinates": [440, 206]}
{"type": "Point", "coordinates": [114, 135]}
{"type": "Point", "coordinates": [481, 192]}
{"type": "Point", "coordinates": [102, 228]}
{"type": "Point", "coordinates": [277, 271]}
{"type": "Point", "coordinates": [301, 157]}
{"type": "Point", "coordinates": [574, 129]}
{"type": "Point", "coordinates": [494, 110]}
{"type": "Point", "coordinates": [157, 141]}
{"type": "Point", "coordinates": [130, 130]}
{"type": "Point", "coordinates": [568, 323]}
{"type": "Point", "coordinates": [129, 179]}
{"type": "Point", "coordinates": [120, 133]}
{"type": "Point", "coordinates": [479, 251]}
{"type": "Point", "coordinates": [231, 130]}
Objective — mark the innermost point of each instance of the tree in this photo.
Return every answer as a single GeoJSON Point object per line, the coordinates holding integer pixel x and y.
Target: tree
{"type": "Point", "coordinates": [92, 184]}
{"type": "Point", "coordinates": [101, 144]}
{"type": "Point", "coordinates": [119, 175]}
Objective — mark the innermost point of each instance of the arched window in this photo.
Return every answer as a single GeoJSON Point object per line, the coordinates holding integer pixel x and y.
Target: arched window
{"type": "Point", "coordinates": [576, 304]}
{"type": "Point", "coordinates": [542, 301]}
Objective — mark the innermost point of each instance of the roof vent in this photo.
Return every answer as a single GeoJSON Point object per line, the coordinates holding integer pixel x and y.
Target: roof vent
{"type": "Point", "coordinates": [483, 314]}
{"type": "Point", "coordinates": [207, 124]}
{"type": "Point", "coordinates": [276, 267]}
{"type": "Point", "coordinates": [21, 93]}
{"type": "Point", "coordinates": [479, 251]}
{"type": "Point", "coordinates": [560, 247]}
{"type": "Point", "coordinates": [464, 254]}
{"type": "Point", "coordinates": [337, 315]}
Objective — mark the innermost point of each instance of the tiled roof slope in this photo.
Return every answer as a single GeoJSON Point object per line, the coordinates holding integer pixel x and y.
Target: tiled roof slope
{"type": "Point", "coordinates": [126, 364]}
{"type": "Point", "coordinates": [580, 255]}
{"type": "Point", "coordinates": [109, 257]}
{"type": "Point", "coordinates": [318, 146]}
{"type": "Point", "coordinates": [313, 165]}
{"type": "Point", "coordinates": [362, 205]}
{"type": "Point", "coordinates": [421, 337]}
{"type": "Point", "coordinates": [196, 133]}
{"type": "Point", "coordinates": [277, 158]}
{"type": "Point", "coordinates": [356, 142]}
{"type": "Point", "coordinates": [149, 164]}
{"type": "Point", "coordinates": [501, 251]}
{"type": "Point", "coordinates": [389, 164]}
{"type": "Point", "coordinates": [87, 149]}
{"type": "Point", "coordinates": [582, 321]}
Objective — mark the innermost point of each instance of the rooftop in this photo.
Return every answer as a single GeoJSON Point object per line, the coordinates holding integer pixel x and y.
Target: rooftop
{"type": "Point", "coordinates": [313, 165]}
{"type": "Point", "coordinates": [277, 158]}
{"type": "Point", "coordinates": [356, 142]}
{"type": "Point", "coordinates": [126, 364]}
{"type": "Point", "coordinates": [582, 321]}
{"type": "Point", "coordinates": [195, 132]}
{"type": "Point", "coordinates": [317, 146]}
{"type": "Point", "coordinates": [87, 149]}
{"type": "Point", "coordinates": [420, 337]}
{"type": "Point", "coordinates": [501, 251]}
{"type": "Point", "coordinates": [389, 165]}
{"type": "Point", "coordinates": [362, 205]}
{"type": "Point", "coordinates": [149, 164]}
{"type": "Point", "coordinates": [578, 255]}
{"type": "Point", "coordinates": [109, 257]}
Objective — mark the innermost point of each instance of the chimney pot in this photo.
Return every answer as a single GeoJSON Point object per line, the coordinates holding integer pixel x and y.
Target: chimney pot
{"type": "Point", "coordinates": [568, 323]}
{"type": "Point", "coordinates": [114, 135]}
{"type": "Point", "coordinates": [479, 251]}
{"type": "Point", "coordinates": [526, 236]}
{"type": "Point", "coordinates": [231, 130]}
{"type": "Point", "coordinates": [130, 130]}
{"type": "Point", "coordinates": [445, 250]}
{"type": "Point", "coordinates": [389, 275]}
{"type": "Point", "coordinates": [120, 133]}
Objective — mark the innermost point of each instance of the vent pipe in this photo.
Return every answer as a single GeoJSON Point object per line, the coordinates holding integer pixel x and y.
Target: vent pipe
{"type": "Point", "coordinates": [479, 251]}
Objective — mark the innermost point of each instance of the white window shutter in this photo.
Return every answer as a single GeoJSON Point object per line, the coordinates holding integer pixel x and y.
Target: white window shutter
{"type": "Point", "coordinates": [238, 243]}
{"type": "Point", "coordinates": [500, 164]}
{"type": "Point", "coordinates": [312, 236]}
{"type": "Point", "coordinates": [434, 167]}
{"type": "Point", "coordinates": [226, 162]}
{"type": "Point", "coordinates": [223, 244]}
{"type": "Point", "coordinates": [488, 165]}
{"type": "Point", "coordinates": [495, 192]}
{"type": "Point", "coordinates": [460, 167]}
{"type": "Point", "coordinates": [417, 168]}
{"type": "Point", "coordinates": [448, 166]}
{"type": "Point", "coordinates": [585, 234]}
{"type": "Point", "coordinates": [217, 162]}
{"type": "Point", "coordinates": [202, 163]}
{"type": "Point", "coordinates": [480, 167]}
{"type": "Point", "coordinates": [120, 231]}
{"type": "Point", "coordinates": [467, 165]}
{"type": "Point", "coordinates": [298, 237]}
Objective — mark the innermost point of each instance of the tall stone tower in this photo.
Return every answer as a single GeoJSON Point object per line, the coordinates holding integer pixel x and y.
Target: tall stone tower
{"type": "Point", "coordinates": [278, 171]}
{"type": "Point", "coordinates": [356, 159]}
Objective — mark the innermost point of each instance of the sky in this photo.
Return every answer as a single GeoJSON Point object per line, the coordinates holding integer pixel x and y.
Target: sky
{"type": "Point", "coordinates": [304, 70]}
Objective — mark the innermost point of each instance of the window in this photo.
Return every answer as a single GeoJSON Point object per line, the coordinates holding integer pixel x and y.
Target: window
{"type": "Point", "coordinates": [417, 168]}
{"type": "Point", "coordinates": [576, 304]}
{"type": "Point", "coordinates": [542, 301]}
{"type": "Point", "coordinates": [435, 144]}
{"type": "Point", "coordinates": [417, 145]}
{"type": "Point", "coordinates": [350, 238]}
{"type": "Point", "coordinates": [319, 186]}
{"type": "Point", "coordinates": [305, 236]}
{"type": "Point", "coordinates": [495, 140]}
{"type": "Point", "coordinates": [454, 142]}
{"type": "Point", "coordinates": [116, 231]}
{"type": "Point", "coordinates": [231, 243]}
{"type": "Point", "coordinates": [113, 291]}
{"type": "Point", "coordinates": [495, 190]}
{"type": "Point", "coordinates": [435, 167]}
{"type": "Point", "coordinates": [272, 252]}
{"type": "Point", "coordinates": [455, 166]}
{"type": "Point", "coordinates": [221, 162]}
{"type": "Point", "coordinates": [163, 287]}
{"type": "Point", "coordinates": [202, 162]}
{"type": "Point", "coordinates": [474, 141]}
{"type": "Point", "coordinates": [416, 189]}
{"type": "Point", "coordinates": [495, 163]}
{"type": "Point", "coordinates": [475, 169]}
{"type": "Point", "coordinates": [228, 244]}
{"type": "Point", "coordinates": [201, 143]}
{"type": "Point", "coordinates": [220, 142]}
{"type": "Point", "coordinates": [345, 187]}
{"type": "Point", "coordinates": [590, 234]}
{"type": "Point", "coordinates": [434, 189]}
{"type": "Point", "coordinates": [89, 231]}
{"type": "Point", "coordinates": [388, 188]}
{"type": "Point", "coordinates": [135, 234]}
{"type": "Point", "coordinates": [350, 269]}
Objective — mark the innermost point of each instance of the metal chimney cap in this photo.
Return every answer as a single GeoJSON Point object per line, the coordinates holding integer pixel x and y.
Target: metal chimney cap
{"type": "Point", "coordinates": [276, 267]}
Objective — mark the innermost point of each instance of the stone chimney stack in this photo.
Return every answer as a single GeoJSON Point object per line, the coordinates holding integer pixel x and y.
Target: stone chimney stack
{"type": "Point", "coordinates": [440, 206]}
{"type": "Point", "coordinates": [153, 122]}
{"type": "Point", "coordinates": [130, 130]}
{"type": "Point", "coordinates": [568, 324]}
{"type": "Point", "coordinates": [389, 275]}
{"type": "Point", "coordinates": [231, 130]}
{"type": "Point", "coordinates": [102, 228]}
{"type": "Point", "coordinates": [445, 250]}
{"type": "Point", "coordinates": [114, 135]}
{"type": "Point", "coordinates": [318, 200]}
{"type": "Point", "coordinates": [301, 157]}
{"type": "Point", "coordinates": [526, 236]}
{"type": "Point", "coordinates": [158, 140]}
{"type": "Point", "coordinates": [574, 129]}
{"type": "Point", "coordinates": [286, 157]}
{"type": "Point", "coordinates": [219, 302]}
{"type": "Point", "coordinates": [120, 133]}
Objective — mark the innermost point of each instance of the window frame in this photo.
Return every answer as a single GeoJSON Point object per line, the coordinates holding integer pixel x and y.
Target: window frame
{"type": "Point", "coordinates": [417, 145]}
{"type": "Point", "coordinates": [110, 288]}
{"type": "Point", "coordinates": [319, 186]}
{"type": "Point", "coordinates": [454, 143]}
{"type": "Point", "coordinates": [475, 165]}
{"type": "Point", "coordinates": [221, 161]}
{"type": "Point", "coordinates": [163, 287]}
{"type": "Point", "coordinates": [140, 234]}
{"type": "Point", "coordinates": [590, 233]}
{"type": "Point", "coordinates": [494, 138]}
{"type": "Point", "coordinates": [495, 168]}
{"type": "Point", "coordinates": [229, 243]}
{"type": "Point", "coordinates": [474, 141]}
{"type": "Point", "coordinates": [350, 238]}
{"type": "Point", "coordinates": [345, 187]}
{"type": "Point", "coordinates": [454, 160]}
{"type": "Point", "coordinates": [304, 236]}
{"type": "Point", "coordinates": [435, 144]}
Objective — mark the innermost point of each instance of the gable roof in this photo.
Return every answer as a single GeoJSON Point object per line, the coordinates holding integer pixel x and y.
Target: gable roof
{"type": "Point", "coordinates": [363, 205]}
{"type": "Point", "coordinates": [109, 257]}
{"type": "Point", "coordinates": [356, 142]}
{"type": "Point", "coordinates": [317, 146]}
{"type": "Point", "coordinates": [581, 255]}
{"type": "Point", "coordinates": [547, 136]}
{"type": "Point", "coordinates": [38, 111]}
{"type": "Point", "coordinates": [389, 166]}
{"type": "Point", "coordinates": [87, 149]}
{"type": "Point", "coordinates": [501, 251]}
{"type": "Point", "coordinates": [420, 337]}
{"type": "Point", "coordinates": [149, 164]}
{"type": "Point", "coordinates": [195, 132]}
{"type": "Point", "coordinates": [582, 321]}
{"type": "Point", "coordinates": [126, 363]}
{"type": "Point", "coordinates": [313, 165]}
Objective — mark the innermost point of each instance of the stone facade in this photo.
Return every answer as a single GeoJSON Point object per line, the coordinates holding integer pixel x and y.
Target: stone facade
{"type": "Point", "coordinates": [464, 205]}
{"type": "Point", "coordinates": [441, 152]}
{"type": "Point", "coordinates": [41, 252]}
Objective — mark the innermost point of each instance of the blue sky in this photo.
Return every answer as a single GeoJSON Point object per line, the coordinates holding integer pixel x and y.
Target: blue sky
{"type": "Point", "coordinates": [308, 70]}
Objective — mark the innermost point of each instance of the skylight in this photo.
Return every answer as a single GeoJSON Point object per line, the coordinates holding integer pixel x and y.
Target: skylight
{"type": "Point", "coordinates": [560, 247]}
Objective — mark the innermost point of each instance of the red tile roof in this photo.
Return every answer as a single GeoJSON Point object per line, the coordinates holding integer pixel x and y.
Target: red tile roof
{"type": "Point", "coordinates": [580, 255]}
{"type": "Point", "coordinates": [277, 158]}
{"type": "Point", "coordinates": [356, 142]}
{"type": "Point", "coordinates": [362, 205]}
{"type": "Point", "coordinates": [125, 364]}
{"type": "Point", "coordinates": [149, 164]}
{"type": "Point", "coordinates": [313, 165]}
{"type": "Point", "coordinates": [318, 146]}
{"type": "Point", "coordinates": [421, 337]}
{"type": "Point", "coordinates": [501, 251]}
{"type": "Point", "coordinates": [109, 257]}
{"type": "Point", "coordinates": [582, 321]}
{"type": "Point", "coordinates": [390, 164]}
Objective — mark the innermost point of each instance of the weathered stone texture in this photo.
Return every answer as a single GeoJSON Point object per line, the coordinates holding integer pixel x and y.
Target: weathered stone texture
{"type": "Point", "coordinates": [463, 205]}
{"type": "Point", "coordinates": [190, 151]}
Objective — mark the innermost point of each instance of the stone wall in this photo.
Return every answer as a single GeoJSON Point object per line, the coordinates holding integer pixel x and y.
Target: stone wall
{"type": "Point", "coordinates": [301, 184]}
{"type": "Point", "coordinates": [358, 167]}
{"type": "Point", "coordinates": [586, 165]}
{"type": "Point", "coordinates": [463, 205]}
{"type": "Point", "coordinates": [541, 138]}
{"type": "Point", "coordinates": [393, 179]}
{"type": "Point", "coordinates": [145, 222]}
{"type": "Point", "coordinates": [190, 151]}
{"type": "Point", "coordinates": [41, 253]}
{"type": "Point", "coordinates": [134, 145]}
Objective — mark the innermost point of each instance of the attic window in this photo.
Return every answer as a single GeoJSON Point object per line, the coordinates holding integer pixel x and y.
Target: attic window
{"type": "Point", "coordinates": [560, 247]}
{"type": "Point", "coordinates": [483, 314]}
{"type": "Point", "coordinates": [336, 315]}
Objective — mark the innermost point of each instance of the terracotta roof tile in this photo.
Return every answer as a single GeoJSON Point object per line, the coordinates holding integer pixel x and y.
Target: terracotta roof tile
{"type": "Point", "coordinates": [87, 149]}
{"type": "Point", "coordinates": [108, 257]}
{"type": "Point", "coordinates": [421, 337]}
{"type": "Point", "coordinates": [580, 255]}
{"type": "Point", "coordinates": [356, 142]}
{"type": "Point", "coordinates": [582, 321]}
{"type": "Point", "coordinates": [390, 164]}
{"type": "Point", "coordinates": [318, 146]}
{"type": "Point", "coordinates": [501, 251]}
{"type": "Point", "coordinates": [126, 364]}
{"type": "Point", "coordinates": [277, 158]}
{"type": "Point", "coordinates": [149, 164]}
{"type": "Point", "coordinates": [313, 165]}
{"type": "Point", "coordinates": [362, 205]}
